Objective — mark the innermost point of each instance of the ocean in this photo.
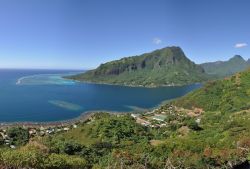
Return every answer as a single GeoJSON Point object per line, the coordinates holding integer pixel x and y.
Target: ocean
{"type": "Point", "coordinates": [45, 96]}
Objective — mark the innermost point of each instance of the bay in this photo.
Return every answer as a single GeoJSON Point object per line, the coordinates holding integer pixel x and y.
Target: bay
{"type": "Point", "coordinates": [44, 96]}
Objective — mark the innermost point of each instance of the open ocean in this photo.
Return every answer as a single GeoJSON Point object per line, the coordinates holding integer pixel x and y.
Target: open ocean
{"type": "Point", "coordinates": [44, 96]}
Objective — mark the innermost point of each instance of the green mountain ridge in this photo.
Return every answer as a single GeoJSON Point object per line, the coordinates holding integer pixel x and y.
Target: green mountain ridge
{"type": "Point", "coordinates": [164, 67]}
{"type": "Point", "coordinates": [207, 128]}
{"type": "Point", "coordinates": [217, 137]}
{"type": "Point", "coordinates": [227, 95]}
{"type": "Point", "coordinates": [226, 68]}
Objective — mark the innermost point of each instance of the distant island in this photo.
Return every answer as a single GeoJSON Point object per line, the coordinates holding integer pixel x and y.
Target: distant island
{"type": "Point", "coordinates": [164, 67]}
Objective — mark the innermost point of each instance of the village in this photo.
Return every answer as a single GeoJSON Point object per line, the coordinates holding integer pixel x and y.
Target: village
{"type": "Point", "coordinates": [35, 130]}
{"type": "Point", "coordinates": [161, 117]}
{"type": "Point", "coordinates": [166, 116]}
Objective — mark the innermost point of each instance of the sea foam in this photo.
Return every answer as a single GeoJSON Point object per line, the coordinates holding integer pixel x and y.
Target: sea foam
{"type": "Point", "coordinates": [45, 79]}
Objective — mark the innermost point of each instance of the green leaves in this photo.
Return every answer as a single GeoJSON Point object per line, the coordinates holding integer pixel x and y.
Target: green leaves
{"type": "Point", "coordinates": [18, 136]}
{"type": "Point", "coordinates": [23, 158]}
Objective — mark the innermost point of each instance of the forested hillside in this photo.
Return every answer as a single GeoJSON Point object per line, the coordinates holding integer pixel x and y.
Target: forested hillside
{"type": "Point", "coordinates": [163, 67]}
{"type": "Point", "coordinates": [228, 95]}
{"type": "Point", "coordinates": [208, 128]}
{"type": "Point", "coordinates": [226, 68]}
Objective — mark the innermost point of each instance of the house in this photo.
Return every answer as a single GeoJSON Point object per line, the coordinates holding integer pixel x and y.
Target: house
{"type": "Point", "coordinates": [12, 146]}
{"type": "Point", "coordinates": [58, 130]}
{"type": "Point", "coordinates": [32, 131]}
{"type": "Point", "coordinates": [159, 117]}
{"type": "Point", "coordinates": [198, 120]}
{"type": "Point", "coordinates": [143, 122]}
{"type": "Point", "coordinates": [50, 131]}
{"type": "Point", "coordinates": [163, 125]}
{"type": "Point", "coordinates": [7, 142]}
{"type": "Point", "coordinates": [135, 115]}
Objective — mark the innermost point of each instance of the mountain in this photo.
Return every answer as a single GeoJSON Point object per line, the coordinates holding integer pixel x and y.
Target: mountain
{"type": "Point", "coordinates": [228, 95]}
{"type": "Point", "coordinates": [226, 68]}
{"type": "Point", "coordinates": [163, 67]}
{"type": "Point", "coordinates": [248, 61]}
{"type": "Point", "coordinates": [177, 134]}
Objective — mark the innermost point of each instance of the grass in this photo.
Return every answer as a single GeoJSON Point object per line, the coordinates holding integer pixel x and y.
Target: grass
{"type": "Point", "coordinates": [80, 135]}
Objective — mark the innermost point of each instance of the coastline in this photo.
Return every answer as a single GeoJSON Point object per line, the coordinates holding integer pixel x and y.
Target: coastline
{"type": "Point", "coordinates": [84, 116]}
{"type": "Point", "coordinates": [80, 119]}
{"type": "Point", "coordinates": [127, 85]}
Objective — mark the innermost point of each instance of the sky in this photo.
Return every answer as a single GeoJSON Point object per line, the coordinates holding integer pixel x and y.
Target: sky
{"type": "Point", "coordinates": [81, 34]}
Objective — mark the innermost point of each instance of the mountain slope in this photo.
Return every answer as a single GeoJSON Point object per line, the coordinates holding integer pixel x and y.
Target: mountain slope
{"type": "Point", "coordinates": [216, 138]}
{"type": "Point", "coordinates": [167, 66]}
{"type": "Point", "coordinates": [228, 95]}
{"type": "Point", "coordinates": [226, 68]}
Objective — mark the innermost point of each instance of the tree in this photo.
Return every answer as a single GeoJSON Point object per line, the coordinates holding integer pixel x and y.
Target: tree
{"type": "Point", "coordinates": [18, 136]}
{"type": "Point", "coordinates": [192, 124]}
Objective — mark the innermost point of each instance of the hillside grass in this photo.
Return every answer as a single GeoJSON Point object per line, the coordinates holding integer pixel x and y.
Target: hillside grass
{"type": "Point", "coordinates": [220, 140]}
{"type": "Point", "coordinates": [228, 95]}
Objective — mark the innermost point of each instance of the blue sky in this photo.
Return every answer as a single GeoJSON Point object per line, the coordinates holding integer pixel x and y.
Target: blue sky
{"type": "Point", "coordinates": [80, 34]}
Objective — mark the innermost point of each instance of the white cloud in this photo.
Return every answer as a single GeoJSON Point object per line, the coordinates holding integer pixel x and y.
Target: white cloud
{"type": "Point", "coordinates": [240, 45]}
{"type": "Point", "coordinates": [157, 41]}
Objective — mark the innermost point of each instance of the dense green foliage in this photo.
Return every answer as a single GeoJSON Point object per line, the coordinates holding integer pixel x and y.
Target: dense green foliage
{"type": "Point", "coordinates": [167, 66]}
{"type": "Point", "coordinates": [18, 135]}
{"type": "Point", "coordinates": [226, 68]}
{"type": "Point", "coordinates": [229, 95]}
{"type": "Point", "coordinates": [221, 138]}
{"type": "Point", "coordinates": [220, 141]}
{"type": "Point", "coordinates": [32, 156]}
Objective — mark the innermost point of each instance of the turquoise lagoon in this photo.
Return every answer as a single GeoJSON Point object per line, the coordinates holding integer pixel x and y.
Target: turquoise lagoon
{"type": "Point", "coordinates": [44, 96]}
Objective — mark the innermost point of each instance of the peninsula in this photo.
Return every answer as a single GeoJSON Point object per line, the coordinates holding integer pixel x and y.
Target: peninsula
{"type": "Point", "coordinates": [164, 67]}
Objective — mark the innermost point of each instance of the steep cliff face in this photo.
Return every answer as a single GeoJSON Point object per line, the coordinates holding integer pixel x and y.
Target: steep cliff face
{"type": "Point", "coordinates": [167, 66]}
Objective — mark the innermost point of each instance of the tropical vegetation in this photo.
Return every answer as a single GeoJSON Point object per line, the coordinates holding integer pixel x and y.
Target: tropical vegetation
{"type": "Point", "coordinates": [164, 67]}
{"type": "Point", "coordinates": [216, 137]}
{"type": "Point", "coordinates": [221, 69]}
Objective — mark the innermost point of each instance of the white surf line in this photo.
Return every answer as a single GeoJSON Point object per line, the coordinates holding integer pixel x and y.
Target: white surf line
{"type": "Point", "coordinates": [46, 74]}
{"type": "Point", "coordinates": [30, 76]}
{"type": "Point", "coordinates": [20, 79]}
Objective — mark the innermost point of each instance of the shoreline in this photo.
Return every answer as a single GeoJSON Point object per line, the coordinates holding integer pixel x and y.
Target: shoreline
{"type": "Point", "coordinates": [29, 124]}
{"type": "Point", "coordinates": [134, 86]}
{"type": "Point", "coordinates": [80, 119]}
{"type": "Point", "coordinates": [84, 116]}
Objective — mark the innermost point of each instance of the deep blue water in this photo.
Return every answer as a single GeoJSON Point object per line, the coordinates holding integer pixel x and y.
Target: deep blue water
{"type": "Point", "coordinates": [42, 95]}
